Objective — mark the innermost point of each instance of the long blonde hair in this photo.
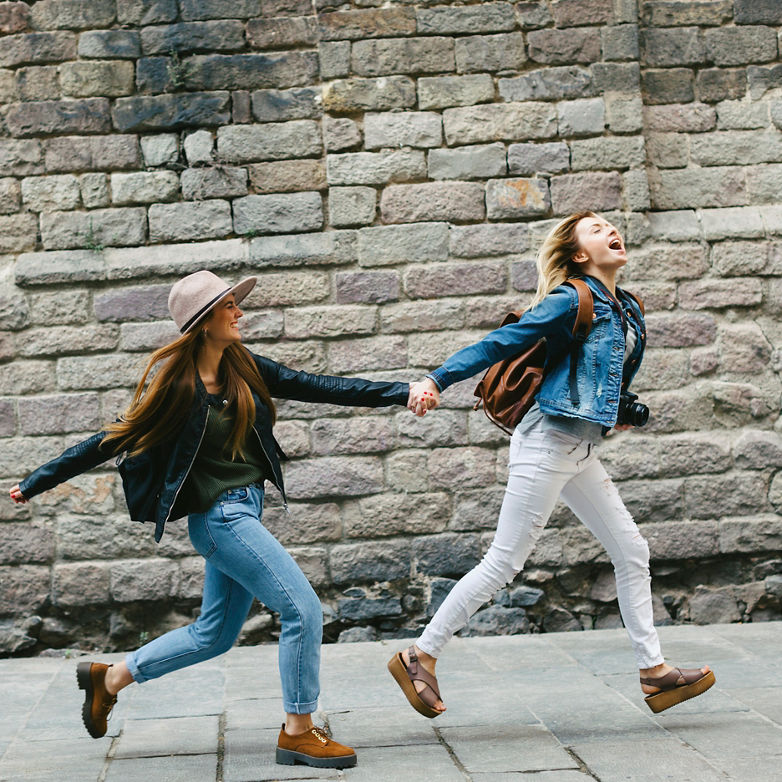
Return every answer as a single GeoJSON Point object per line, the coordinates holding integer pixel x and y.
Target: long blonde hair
{"type": "Point", "coordinates": [555, 257]}
{"type": "Point", "coordinates": [158, 412]}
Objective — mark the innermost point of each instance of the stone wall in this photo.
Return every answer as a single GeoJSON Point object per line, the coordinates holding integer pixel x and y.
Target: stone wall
{"type": "Point", "coordinates": [388, 173]}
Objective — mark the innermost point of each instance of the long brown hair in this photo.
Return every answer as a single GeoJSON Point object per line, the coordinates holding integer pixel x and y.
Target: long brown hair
{"type": "Point", "coordinates": [158, 411]}
{"type": "Point", "coordinates": [555, 257]}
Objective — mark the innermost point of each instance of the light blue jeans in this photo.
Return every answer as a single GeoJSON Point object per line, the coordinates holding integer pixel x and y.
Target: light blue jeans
{"type": "Point", "coordinates": [243, 560]}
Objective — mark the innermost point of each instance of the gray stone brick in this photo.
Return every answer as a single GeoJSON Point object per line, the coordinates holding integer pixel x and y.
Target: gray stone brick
{"type": "Point", "coordinates": [743, 348]}
{"type": "Point", "coordinates": [143, 187]}
{"type": "Point", "coordinates": [366, 287]}
{"type": "Point", "coordinates": [772, 219]}
{"type": "Point", "coordinates": [454, 279]}
{"type": "Point", "coordinates": [135, 337]}
{"type": "Point", "coordinates": [598, 191]}
{"type": "Point", "coordinates": [666, 262]}
{"type": "Point", "coordinates": [61, 340]}
{"type": "Point", "coordinates": [285, 176]}
{"type": "Point", "coordinates": [110, 44]}
{"type": "Point", "coordinates": [471, 162]}
{"type": "Point", "coordinates": [687, 188]}
{"type": "Point", "coordinates": [147, 302]}
{"type": "Point", "coordinates": [28, 543]}
{"type": "Point", "coordinates": [115, 370]}
{"type": "Point", "coordinates": [397, 513]}
{"type": "Point", "coordinates": [738, 115]}
{"type": "Point", "coordinates": [106, 78]}
{"type": "Point", "coordinates": [620, 42]}
{"type": "Point", "coordinates": [718, 294]}
{"type": "Point", "coordinates": [398, 244]}
{"type": "Point", "coordinates": [616, 77]}
{"type": "Point", "coordinates": [332, 247]}
{"type": "Point", "coordinates": [420, 316]}
{"type": "Point", "coordinates": [760, 80]}
{"type": "Point", "coordinates": [736, 147]}
{"type": "Point", "coordinates": [533, 15]}
{"type": "Point", "coordinates": [35, 48]}
{"type": "Point", "coordinates": [334, 59]}
{"type": "Point", "coordinates": [112, 227]}
{"type": "Point", "coordinates": [143, 579]}
{"type": "Point", "coordinates": [219, 36]}
{"type": "Point", "coordinates": [449, 554]}
{"type": "Point", "coordinates": [688, 118]}
{"type": "Point", "coordinates": [272, 141]}
{"type": "Point", "coordinates": [763, 183]}
{"type": "Point", "coordinates": [485, 18]}
{"type": "Point", "coordinates": [90, 115]}
{"type": "Point", "coordinates": [375, 168]}
{"type": "Point", "coordinates": [496, 121]}
{"type": "Point", "coordinates": [363, 355]}
{"type": "Point", "coordinates": [679, 226]}
{"type": "Point", "coordinates": [352, 95]}
{"type": "Point", "coordinates": [668, 150]}
{"type": "Point", "coordinates": [741, 222]}
{"type": "Point", "coordinates": [741, 45]}
{"type": "Point", "coordinates": [27, 377]}
{"type": "Point", "coordinates": [388, 56]}
{"type": "Point", "coordinates": [45, 194]}
{"type": "Point", "coordinates": [757, 12]}
{"type": "Point", "coordinates": [635, 186]}
{"type": "Point", "coordinates": [143, 12]}
{"type": "Point", "coordinates": [449, 201]}
{"type": "Point", "coordinates": [607, 153]}
{"type": "Point", "coordinates": [217, 182]}
{"type": "Point", "coordinates": [750, 534]}
{"type": "Point", "coordinates": [476, 241]}
{"type": "Point", "coordinates": [439, 92]}
{"type": "Point", "coordinates": [58, 267]}
{"type": "Point", "coordinates": [85, 153]}
{"type": "Point", "coordinates": [198, 146]}
{"type": "Point", "coordinates": [370, 561]}
{"type": "Point", "coordinates": [8, 92]}
{"type": "Point", "coordinates": [529, 159]}
{"type": "Point", "coordinates": [714, 84]}
{"type": "Point", "coordinates": [581, 117]}
{"type": "Point", "coordinates": [306, 522]}
{"type": "Point", "coordinates": [744, 493]}
{"type": "Point", "coordinates": [160, 150]}
{"type": "Point", "coordinates": [25, 589]}
{"type": "Point", "coordinates": [14, 18]}
{"type": "Point", "coordinates": [340, 134]}
{"type": "Point", "coordinates": [352, 206]}
{"type": "Point", "coordinates": [465, 468]}
{"type": "Point", "coordinates": [281, 105]}
{"type": "Point", "coordinates": [166, 112]}
{"type": "Point", "coordinates": [669, 13]}
{"type": "Point", "coordinates": [290, 287]}
{"type": "Point", "coordinates": [251, 71]}
{"type": "Point", "coordinates": [402, 129]}
{"type": "Point", "coordinates": [568, 81]}
{"type": "Point", "coordinates": [367, 23]}
{"type": "Point", "coordinates": [330, 321]}
{"type": "Point", "coordinates": [757, 450]}
{"type": "Point", "coordinates": [219, 9]}
{"type": "Point", "coordinates": [516, 198]}
{"type": "Point", "coordinates": [10, 195]}
{"type": "Point", "coordinates": [94, 190]}
{"type": "Point", "coordinates": [623, 114]}
{"type": "Point", "coordinates": [37, 82]}
{"type": "Point", "coordinates": [17, 232]}
{"type": "Point", "coordinates": [663, 47]}
{"type": "Point", "coordinates": [574, 13]}
{"type": "Point", "coordinates": [670, 85]}
{"type": "Point", "coordinates": [501, 52]}
{"type": "Point", "coordinates": [66, 14]}
{"type": "Point", "coordinates": [357, 434]}
{"type": "Point", "coordinates": [736, 259]}
{"type": "Point", "coordinates": [564, 46]}
{"type": "Point", "coordinates": [189, 221]}
{"type": "Point", "coordinates": [680, 330]}
{"type": "Point", "coordinates": [60, 308]}
{"type": "Point", "coordinates": [62, 413]}
{"type": "Point", "coordinates": [278, 213]}
{"type": "Point", "coordinates": [524, 275]}
{"type": "Point", "coordinates": [349, 476]}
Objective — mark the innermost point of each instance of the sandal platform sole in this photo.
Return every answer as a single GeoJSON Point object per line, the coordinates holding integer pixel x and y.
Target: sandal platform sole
{"type": "Point", "coordinates": [397, 669]}
{"type": "Point", "coordinates": [287, 757]}
{"type": "Point", "coordinates": [664, 700]}
{"type": "Point", "coordinates": [84, 681]}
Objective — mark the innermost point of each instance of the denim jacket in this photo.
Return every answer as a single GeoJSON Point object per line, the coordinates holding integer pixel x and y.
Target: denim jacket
{"type": "Point", "coordinates": [152, 480]}
{"type": "Point", "coordinates": [600, 372]}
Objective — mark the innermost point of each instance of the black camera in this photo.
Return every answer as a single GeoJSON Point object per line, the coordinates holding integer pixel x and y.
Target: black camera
{"type": "Point", "coordinates": [630, 411]}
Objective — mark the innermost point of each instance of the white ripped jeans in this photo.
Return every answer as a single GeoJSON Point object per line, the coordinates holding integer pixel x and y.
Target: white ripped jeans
{"type": "Point", "coordinates": [545, 465]}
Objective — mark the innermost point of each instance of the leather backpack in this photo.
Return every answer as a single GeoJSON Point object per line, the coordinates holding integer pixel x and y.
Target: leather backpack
{"type": "Point", "coordinates": [508, 388]}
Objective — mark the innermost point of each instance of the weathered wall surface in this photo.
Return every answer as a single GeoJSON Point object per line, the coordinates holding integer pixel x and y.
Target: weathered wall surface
{"type": "Point", "coordinates": [388, 173]}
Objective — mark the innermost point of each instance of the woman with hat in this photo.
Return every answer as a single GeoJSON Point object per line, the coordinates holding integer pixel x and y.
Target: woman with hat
{"type": "Point", "coordinates": [197, 441]}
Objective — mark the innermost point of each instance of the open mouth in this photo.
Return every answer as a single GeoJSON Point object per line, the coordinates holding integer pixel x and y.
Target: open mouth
{"type": "Point", "coordinates": [615, 244]}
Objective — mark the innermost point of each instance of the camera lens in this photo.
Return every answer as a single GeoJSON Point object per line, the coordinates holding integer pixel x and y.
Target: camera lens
{"type": "Point", "coordinates": [637, 414]}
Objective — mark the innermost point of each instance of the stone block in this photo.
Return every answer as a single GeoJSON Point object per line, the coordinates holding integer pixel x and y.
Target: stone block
{"type": "Point", "coordinates": [81, 584]}
{"type": "Point", "coordinates": [616, 77]}
{"type": "Point", "coordinates": [533, 15]}
{"type": "Point", "coordinates": [693, 454]}
{"type": "Point", "coordinates": [620, 42]}
{"type": "Point", "coordinates": [743, 349]}
{"type": "Point", "coordinates": [135, 337]}
{"type": "Point", "coordinates": [356, 434]}
{"type": "Point", "coordinates": [480, 53]}
{"type": "Point", "coordinates": [669, 85]}
{"type": "Point", "coordinates": [214, 182]}
{"type": "Point", "coordinates": [488, 17]}
{"type": "Point", "coordinates": [282, 105]}
{"type": "Point", "coordinates": [448, 427]}
{"type": "Point", "coordinates": [666, 47]}
{"type": "Point", "coordinates": [715, 84]}
{"type": "Point", "coordinates": [143, 579]}
{"type": "Point", "coordinates": [330, 476]}
{"type": "Point", "coordinates": [623, 114]}
{"type": "Point", "coordinates": [738, 494]}
{"type": "Point", "coordinates": [8, 92]}
{"type": "Point", "coordinates": [680, 330]}
{"type": "Point", "coordinates": [344, 96]}
{"type": "Point", "coordinates": [635, 186]}
{"type": "Point", "coordinates": [24, 377]}
{"type": "Point", "coordinates": [14, 18]}
{"type": "Point", "coordinates": [439, 92]}
{"type": "Point", "coordinates": [37, 82]}
{"type": "Point", "coordinates": [59, 308]}
{"type": "Point", "coordinates": [760, 80]}
{"type": "Point", "coordinates": [449, 201]}
{"type": "Point", "coordinates": [402, 129]}
{"type": "Point", "coordinates": [33, 48]}
{"type": "Point", "coordinates": [28, 543]}
{"type": "Point", "coordinates": [741, 222]}
{"type": "Point", "coordinates": [367, 23]}
{"type": "Point", "coordinates": [330, 321]}
{"type": "Point", "coordinates": [306, 522]}
{"type": "Point", "coordinates": [568, 81]}
{"type": "Point", "coordinates": [334, 58]}
{"type": "Point", "coordinates": [370, 561]}
{"type": "Point", "coordinates": [531, 159]}
{"type": "Point", "coordinates": [241, 113]}
{"type": "Point", "coordinates": [85, 153]}
{"type": "Point", "coordinates": [693, 187]}
{"type": "Point", "coordinates": [737, 115]}
{"type": "Point", "coordinates": [144, 12]}
{"type": "Point", "coordinates": [516, 198]}
{"type": "Point", "coordinates": [400, 513]}
{"type": "Point", "coordinates": [189, 221]}
{"type": "Point", "coordinates": [199, 147]}
{"type": "Point", "coordinates": [737, 259]}
{"type": "Point", "coordinates": [447, 554]}
{"type": "Point", "coordinates": [574, 13]}
{"type": "Point", "coordinates": [221, 36]}
{"type": "Point", "coordinates": [349, 206]}
{"type": "Point", "coordinates": [671, 540]}
{"type": "Point", "coordinates": [363, 355]}
{"type": "Point", "coordinates": [287, 288]}
{"type": "Point", "coordinates": [105, 371]}
{"type": "Point", "coordinates": [477, 241]}
{"type": "Point", "coordinates": [668, 13]}
{"type": "Point", "coordinates": [470, 162]}
{"type": "Point", "coordinates": [287, 176]}
{"type": "Point", "coordinates": [272, 141]}
{"type": "Point", "coordinates": [168, 112]}
{"type": "Point", "coordinates": [557, 47]}
{"type": "Point", "coordinates": [58, 267]}
{"type": "Point", "coordinates": [278, 213]}
{"type": "Point", "coordinates": [736, 147]}
{"type": "Point", "coordinates": [375, 168]}
{"type": "Point", "coordinates": [598, 191]}
{"type": "Point", "coordinates": [386, 56]}
{"type": "Point", "coordinates": [757, 450]}
{"type": "Point", "coordinates": [218, 9]}
{"type": "Point", "coordinates": [499, 121]}
{"type": "Point", "coordinates": [581, 117]}
{"type": "Point", "coordinates": [524, 276]}
{"type": "Point", "coordinates": [94, 229]}
{"type": "Point", "coordinates": [45, 194]}
{"type": "Point", "coordinates": [718, 294]}
{"type": "Point", "coordinates": [332, 247]}
{"type": "Point", "coordinates": [143, 187]}
{"type": "Point", "coordinates": [110, 44]}
{"type": "Point", "coordinates": [361, 609]}
{"type": "Point", "coordinates": [615, 152]}
{"type": "Point", "coordinates": [251, 71]}
{"type": "Point", "coordinates": [750, 535]}
{"type": "Point", "coordinates": [90, 115]}
{"type": "Point", "coordinates": [757, 12]}
{"type": "Point", "coordinates": [367, 287]}
{"type": "Point", "coordinates": [100, 78]}
{"type": "Point", "coordinates": [741, 45]}
{"type": "Point", "coordinates": [67, 14]}
{"type": "Point", "coordinates": [160, 150]}
{"type": "Point", "coordinates": [679, 226]}
{"type": "Point", "coordinates": [463, 468]}
{"type": "Point", "coordinates": [18, 232]}
{"type": "Point", "coordinates": [391, 245]}
{"type": "Point", "coordinates": [687, 118]}
{"type": "Point", "coordinates": [339, 134]}
{"type": "Point", "coordinates": [145, 303]}
{"type": "Point", "coordinates": [59, 340]}
{"type": "Point", "coordinates": [25, 589]}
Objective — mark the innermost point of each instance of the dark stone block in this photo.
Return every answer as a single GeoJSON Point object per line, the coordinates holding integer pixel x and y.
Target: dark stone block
{"type": "Point", "coordinates": [7, 418]}
{"type": "Point", "coordinates": [569, 81]}
{"type": "Point", "coordinates": [361, 609]}
{"type": "Point", "coordinates": [524, 275]}
{"type": "Point", "coordinates": [149, 302]}
{"type": "Point", "coordinates": [225, 35]}
{"type": "Point", "coordinates": [564, 46]}
{"type": "Point", "coordinates": [285, 33]}
{"type": "Point", "coordinates": [168, 112]}
{"type": "Point", "coordinates": [219, 9]}
{"type": "Point", "coordinates": [438, 591]}
{"type": "Point", "coordinates": [280, 105]}
{"type": "Point", "coordinates": [110, 44]}
{"type": "Point", "coordinates": [37, 48]}
{"type": "Point", "coordinates": [141, 12]}
{"type": "Point", "coordinates": [241, 113]}
{"type": "Point", "coordinates": [616, 77]}
{"type": "Point", "coordinates": [526, 596]}
{"type": "Point", "coordinates": [716, 84]}
{"type": "Point", "coordinates": [447, 554]}
{"type": "Point", "coordinates": [251, 71]}
{"type": "Point", "coordinates": [678, 46]}
{"type": "Point", "coordinates": [497, 620]}
{"type": "Point", "coordinates": [757, 11]}
{"type": "Point", "coordinates": [59, 116]}
{"type": "Point", "coordinates": [288, 7]}
{"type": "Point", "coordinates": [762, 78]}
{"type": "Point", "coordinates": [153, 74]}
{"type": "Point", "coordinates": [672, 85]}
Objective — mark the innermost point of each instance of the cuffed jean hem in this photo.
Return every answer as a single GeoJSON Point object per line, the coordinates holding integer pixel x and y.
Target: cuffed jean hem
{"type": "Point", "coordinates": [649, 662]}
{"type": "Point", "coordinates": [300, 708]}
{"type": "Point", "coordinates": [135, 672]}
{"type": "Point", "coordinates": [426, 649]}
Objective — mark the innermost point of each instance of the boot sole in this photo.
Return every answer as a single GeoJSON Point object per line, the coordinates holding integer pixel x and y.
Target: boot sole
{"type": "Point", "coordinates": [287, 757]}
{"type": "Point", "coordinates": [664, 700]}
{"type": "Point", "coordinates": [84, 681]}
{"type": "Point", "coordinates": [397, 669]}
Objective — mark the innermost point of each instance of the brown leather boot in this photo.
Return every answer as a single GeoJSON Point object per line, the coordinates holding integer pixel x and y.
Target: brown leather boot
{"type": "Point", "coordinates": [313, 748]}
{"type": "Point", "coordinates": [98, 703]}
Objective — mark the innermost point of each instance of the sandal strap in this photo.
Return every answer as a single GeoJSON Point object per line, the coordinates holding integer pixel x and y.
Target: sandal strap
{"type": "Point", "coordinates": [417, 672]}
{"type": "Point", "coordinates": [671, 679]}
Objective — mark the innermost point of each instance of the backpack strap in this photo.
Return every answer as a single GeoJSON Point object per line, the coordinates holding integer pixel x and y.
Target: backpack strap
{"type": "Point", "coordinates": [638, 301]}
{"type": "Point", "coordinates": [581, 329]}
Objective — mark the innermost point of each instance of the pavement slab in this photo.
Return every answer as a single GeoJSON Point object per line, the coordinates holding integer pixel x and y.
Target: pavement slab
{"type": "Point", "coordinates": [559, 707]}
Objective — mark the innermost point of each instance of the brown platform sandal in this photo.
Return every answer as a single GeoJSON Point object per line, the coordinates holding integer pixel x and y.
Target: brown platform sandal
{"type": "Point", "coordinates": [672, 691]}
{"type": "Point", "coordinates": [423, 702]}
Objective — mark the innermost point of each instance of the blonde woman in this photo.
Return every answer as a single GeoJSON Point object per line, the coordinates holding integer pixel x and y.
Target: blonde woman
{"type": "Point", "coordinates": [553, 455]}
{"type": "Point", "coordinates": [198, 443]}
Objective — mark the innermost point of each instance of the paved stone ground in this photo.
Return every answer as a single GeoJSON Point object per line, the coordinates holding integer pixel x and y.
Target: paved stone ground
{"type": "Point", "coordinates": [562, 707]}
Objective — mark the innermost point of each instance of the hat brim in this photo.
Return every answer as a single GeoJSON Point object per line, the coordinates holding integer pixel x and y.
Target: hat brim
{"type": "Point", "coordinates": [240, 292]}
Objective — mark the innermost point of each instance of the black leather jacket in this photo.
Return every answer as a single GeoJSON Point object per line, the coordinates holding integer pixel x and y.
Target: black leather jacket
{"type": "Point", "coordinates": [152, 480]}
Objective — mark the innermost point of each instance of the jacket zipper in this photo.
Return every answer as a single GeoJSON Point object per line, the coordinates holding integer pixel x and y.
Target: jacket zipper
{"type": "Point", "coordinates": [190, 467]}
{"type": "Point", "coordinates": [271, 466]}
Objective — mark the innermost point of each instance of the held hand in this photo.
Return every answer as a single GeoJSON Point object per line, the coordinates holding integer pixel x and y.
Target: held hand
{"type": "Point", "coordinates": [17, 496]}
{"type": "Point", "coordinates": [423, 396]}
